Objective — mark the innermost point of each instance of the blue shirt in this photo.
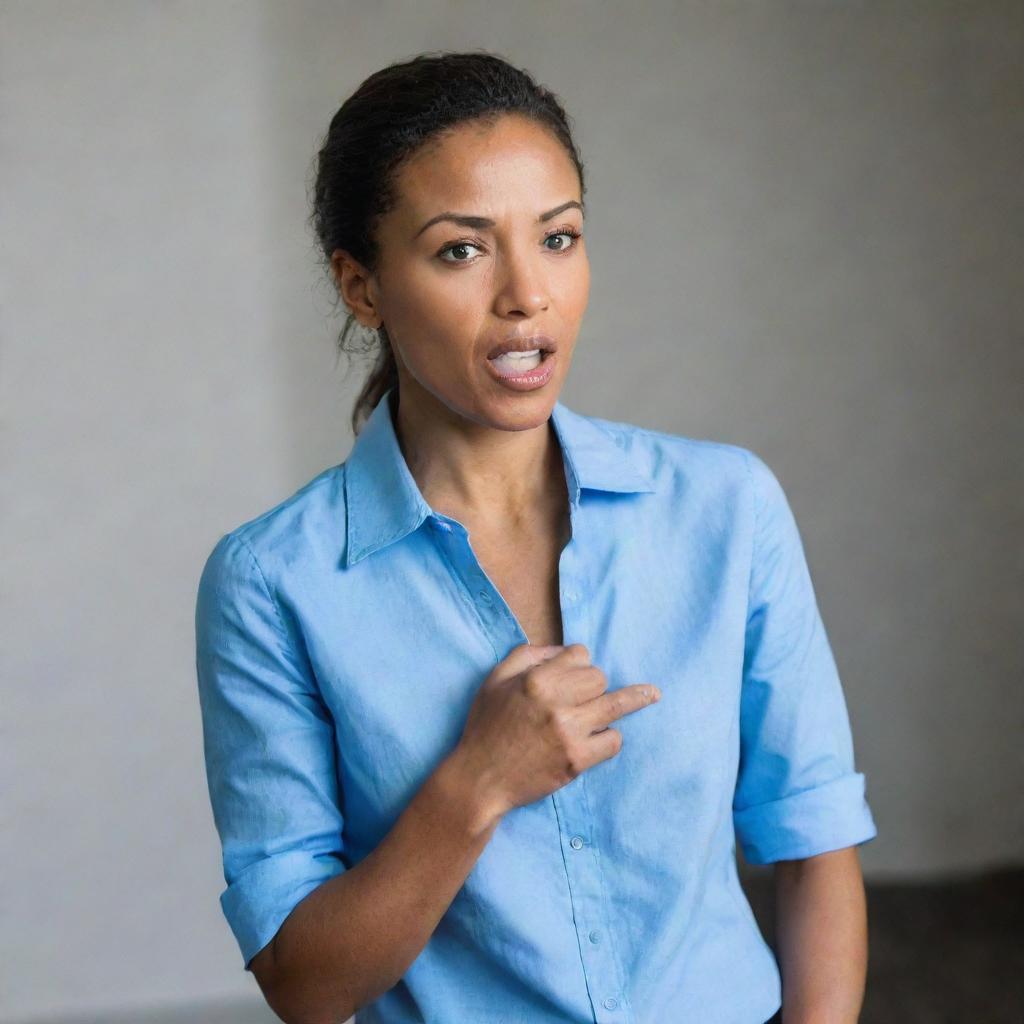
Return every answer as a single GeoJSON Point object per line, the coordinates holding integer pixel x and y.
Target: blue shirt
{"type": "Point", "coordinates": [342, 636]}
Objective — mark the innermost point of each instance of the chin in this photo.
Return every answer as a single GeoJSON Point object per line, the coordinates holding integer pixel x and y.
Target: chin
{"type": "Point", "coordinates": [520, 412]}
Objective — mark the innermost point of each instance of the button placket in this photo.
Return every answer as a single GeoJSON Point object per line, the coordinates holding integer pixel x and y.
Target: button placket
{"type": "Point", "coordinates": [580, 858]}
{"type": "Point", "coordinates": [496, 618]}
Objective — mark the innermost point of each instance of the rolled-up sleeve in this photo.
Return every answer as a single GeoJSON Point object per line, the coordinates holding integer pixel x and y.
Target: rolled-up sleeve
{"type": "Point", "coordinates": [797, 792]}
{"type": "Point", "coordinates": [268, 741]}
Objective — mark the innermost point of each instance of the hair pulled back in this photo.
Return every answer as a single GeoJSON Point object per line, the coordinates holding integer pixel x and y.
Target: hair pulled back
{"type": "Point", "coordinates": [388, 118]}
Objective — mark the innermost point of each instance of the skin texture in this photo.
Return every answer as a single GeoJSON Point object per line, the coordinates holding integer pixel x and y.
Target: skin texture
{"type": "Point", "coordinates": [477, 450]}
{"type": "Point", "coordinates": [488, 457]}
{"type": "Point", "coordinates": [821, 937]}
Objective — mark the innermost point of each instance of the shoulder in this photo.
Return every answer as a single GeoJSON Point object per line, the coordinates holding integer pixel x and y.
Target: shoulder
{"type": "Point", "coordinates": [674, 460]}
{"type": "Point", "coordinates": [307, 525]}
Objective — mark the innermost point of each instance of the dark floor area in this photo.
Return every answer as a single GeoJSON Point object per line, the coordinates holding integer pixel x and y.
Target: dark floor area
{"type": "Point", "coordinates": [939, 953]}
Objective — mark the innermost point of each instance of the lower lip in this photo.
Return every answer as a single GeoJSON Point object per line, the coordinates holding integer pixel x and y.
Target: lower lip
{"type": "Point", "coordinates": [526, 380]}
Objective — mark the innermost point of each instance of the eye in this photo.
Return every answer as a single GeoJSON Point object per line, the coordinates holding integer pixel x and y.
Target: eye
{"type": "Point", "coordinates": [457, 245]}
{"type": "Point", "coordinates": [565, 233]}
{"type": "Point", "coordinates": [465, 244]}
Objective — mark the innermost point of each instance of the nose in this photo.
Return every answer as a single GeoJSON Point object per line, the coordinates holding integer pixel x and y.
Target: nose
{"type": "Point", "coordinates": [523, 285]}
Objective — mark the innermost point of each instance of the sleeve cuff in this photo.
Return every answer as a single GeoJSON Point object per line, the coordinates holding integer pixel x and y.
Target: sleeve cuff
{"type": "Point", "coordinates": [257, 902]}
{"type": "Point", "coordinates": [828, 817]}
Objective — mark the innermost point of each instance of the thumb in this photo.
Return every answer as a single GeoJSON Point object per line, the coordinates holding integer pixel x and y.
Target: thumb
{"type": "Point", "coordinates": [543, 652]}
{"type": "Point", "coordinates": [523, 656]}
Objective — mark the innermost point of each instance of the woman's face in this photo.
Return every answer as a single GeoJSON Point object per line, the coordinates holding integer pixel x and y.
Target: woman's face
{"type": "Point", "coordinates": [448, 293]}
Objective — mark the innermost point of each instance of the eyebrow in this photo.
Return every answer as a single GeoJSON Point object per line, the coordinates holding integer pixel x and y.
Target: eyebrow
{"type": "Point", "coordinates": [469, 221]}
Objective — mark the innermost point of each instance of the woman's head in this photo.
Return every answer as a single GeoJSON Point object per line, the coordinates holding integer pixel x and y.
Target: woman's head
{"type": "Point", "coordinates": [465, 134]}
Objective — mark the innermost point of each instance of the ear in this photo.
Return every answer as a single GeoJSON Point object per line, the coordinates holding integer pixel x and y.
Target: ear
{"type": "Point", "coordinates": [357, 288]}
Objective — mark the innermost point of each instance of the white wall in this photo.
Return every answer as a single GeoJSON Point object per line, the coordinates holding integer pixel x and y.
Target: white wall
{"type": "Point", "coordinates": [805, 232]}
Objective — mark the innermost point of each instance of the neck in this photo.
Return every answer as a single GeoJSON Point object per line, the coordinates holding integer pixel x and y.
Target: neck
{"type": "Point", "coordinates": [472, 471]}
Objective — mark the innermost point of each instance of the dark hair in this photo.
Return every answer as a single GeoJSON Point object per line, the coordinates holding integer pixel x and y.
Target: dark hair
{"type": "Point", "coordinates": [390, 116]}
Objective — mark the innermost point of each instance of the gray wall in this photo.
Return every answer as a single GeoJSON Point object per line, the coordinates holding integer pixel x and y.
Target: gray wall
{"type": "Point", "coordinates": [806, 235]}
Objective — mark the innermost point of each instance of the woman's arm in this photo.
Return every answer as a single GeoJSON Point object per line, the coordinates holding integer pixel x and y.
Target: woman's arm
{"type": "Point", "coordinates": [353, 938]}
{"type": "Point", "coordinates": [821, 937]}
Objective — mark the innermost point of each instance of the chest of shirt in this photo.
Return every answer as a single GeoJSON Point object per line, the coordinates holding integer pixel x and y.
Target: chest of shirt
{"type": "Point", "coordinates": [401, 641]}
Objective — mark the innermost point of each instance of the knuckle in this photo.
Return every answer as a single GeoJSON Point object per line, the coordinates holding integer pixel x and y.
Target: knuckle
{"type": "Point", "coordinates": [574, 765]}
{"type": "Point", "coordinates": [560, 721]}
{"type": "Point", "coordinates": [533, 684]}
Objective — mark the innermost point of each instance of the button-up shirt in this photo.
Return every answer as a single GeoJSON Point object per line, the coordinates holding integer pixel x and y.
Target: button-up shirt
{"type": "Point", "coordinates": [343, 635]}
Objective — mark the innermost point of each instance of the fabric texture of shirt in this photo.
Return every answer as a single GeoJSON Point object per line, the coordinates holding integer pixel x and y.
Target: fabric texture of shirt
{"type": "Point", "coordinates": [342, 635]}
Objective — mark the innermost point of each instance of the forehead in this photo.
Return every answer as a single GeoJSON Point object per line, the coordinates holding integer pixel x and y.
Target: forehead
{"type": "Point", "coordinates": [486, 165]}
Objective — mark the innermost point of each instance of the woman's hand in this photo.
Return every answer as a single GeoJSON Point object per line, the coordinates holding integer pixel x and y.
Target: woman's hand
{"type": "Point", "coordinates": [540, 719]}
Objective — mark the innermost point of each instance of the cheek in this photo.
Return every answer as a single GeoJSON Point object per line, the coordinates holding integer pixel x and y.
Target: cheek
{"type": "Point", "coordinates": [575, 286]}
{"type": "Point", "coordinates": [433, 319]}
{"type": "Point", "coordinates": [444, 299]}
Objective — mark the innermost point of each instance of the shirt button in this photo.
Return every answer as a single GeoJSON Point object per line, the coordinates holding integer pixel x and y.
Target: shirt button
{"type": "Point", "coordinates": [484, 596]}
{"type": "Point", "coordinates": [576, 842]}
{"type": "Point", "coordinates": [595, 937]}
{"type": "Point", "coordinates": [610, 1003]}
{"type": "Point", "coordinates": [438, 525]}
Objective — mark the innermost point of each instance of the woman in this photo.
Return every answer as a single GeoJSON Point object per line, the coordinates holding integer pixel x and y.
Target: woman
{"type": "Point", "coordinates": [487, 706]}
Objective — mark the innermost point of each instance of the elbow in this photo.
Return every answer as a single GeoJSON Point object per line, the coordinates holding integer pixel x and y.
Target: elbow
{"type": "Point", "coordinates": [295, 999]}
{"type": "Point", "coordinates": [294, 1005]}
{"type": "Point", "coordinates": [336, 1018]}
{"type": "Point", "coordinates": [294, 1012]}
{"type": "Point", "coordinates": [307, 980]}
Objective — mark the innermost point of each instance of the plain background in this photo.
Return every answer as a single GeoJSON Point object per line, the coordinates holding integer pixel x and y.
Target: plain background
{"type": "Point", "coordinates": [806, 237]}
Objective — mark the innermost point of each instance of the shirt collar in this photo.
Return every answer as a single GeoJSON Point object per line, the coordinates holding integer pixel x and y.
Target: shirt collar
{"type": "Point", "coordinates": [383, 503]}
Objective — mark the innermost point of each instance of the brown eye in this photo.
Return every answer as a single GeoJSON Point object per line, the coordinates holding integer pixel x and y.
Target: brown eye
{"type": "Point", "coordinates": [455, 246]}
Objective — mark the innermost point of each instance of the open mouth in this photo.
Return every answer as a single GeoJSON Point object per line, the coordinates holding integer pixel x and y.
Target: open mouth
{"type": "Point", "coordinates": [525, 371]}
{"type": "Point", "coordinates": [519, 364]}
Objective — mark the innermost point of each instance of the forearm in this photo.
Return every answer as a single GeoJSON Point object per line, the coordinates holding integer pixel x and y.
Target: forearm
{"type": "Point", "coordinates": [821, 938]}
{"type": "Point", "coordinates": [355, 935]}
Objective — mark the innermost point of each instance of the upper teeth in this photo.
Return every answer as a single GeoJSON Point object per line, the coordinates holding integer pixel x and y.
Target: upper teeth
{"type": "Point", "coordinates": [519, 355]}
